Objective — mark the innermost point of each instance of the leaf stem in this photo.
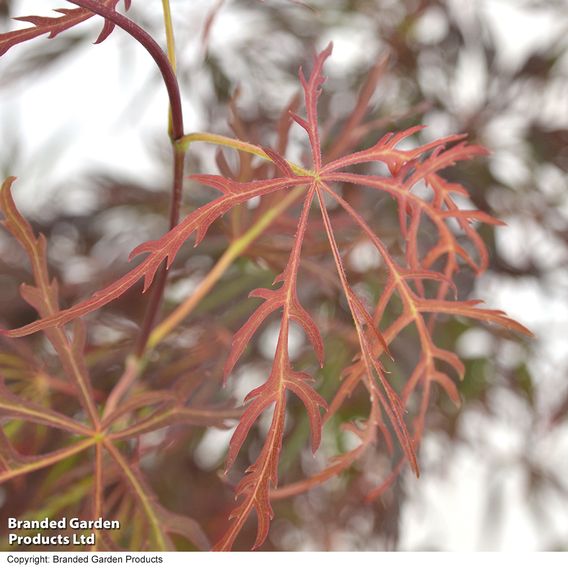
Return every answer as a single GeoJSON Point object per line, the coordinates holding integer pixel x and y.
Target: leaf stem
{"type": "Point", "coordinates": [171, 47]}
{"type": "Point", "coordinates": [236, 144]}
{"type": "Point", "coordinates": [166, 64]}
{"type": "Point", "coordinates": [167, 70]}
{"type": "Point", "coordinates": [177, 415]}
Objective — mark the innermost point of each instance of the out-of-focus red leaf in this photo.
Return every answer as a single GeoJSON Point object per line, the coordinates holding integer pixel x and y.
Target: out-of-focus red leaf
{"type": "Point", "coordinates": [55, 25]}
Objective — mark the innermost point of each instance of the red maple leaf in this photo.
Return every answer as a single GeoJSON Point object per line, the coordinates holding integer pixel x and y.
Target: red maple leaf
{"type": "Point", "coordinates": [406, 278]}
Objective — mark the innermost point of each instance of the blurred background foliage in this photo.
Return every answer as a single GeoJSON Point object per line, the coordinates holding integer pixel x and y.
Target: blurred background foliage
{"type": "Point", "coordinates": [494, 471]}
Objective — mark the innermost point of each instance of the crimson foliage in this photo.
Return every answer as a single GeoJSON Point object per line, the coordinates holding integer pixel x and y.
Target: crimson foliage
{"type": "Point", "coordinates": [438, 238]}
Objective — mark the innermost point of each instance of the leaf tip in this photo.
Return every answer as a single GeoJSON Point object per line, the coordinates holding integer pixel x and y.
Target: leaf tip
{"type": "Point", "coordinates": [327, 51]}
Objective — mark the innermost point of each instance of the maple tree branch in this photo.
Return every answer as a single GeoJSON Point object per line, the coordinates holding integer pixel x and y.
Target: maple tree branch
{"type": "Point", "coordinates": [155, 51]}
{"type": "Point", "coordinates": [175, 128]}
{"type": "Point", "coordinates": [177, 186]}
{"type": "Point", "coordinates": [167, 70]}
{"type": "Point", "coordinates": [159, 285]}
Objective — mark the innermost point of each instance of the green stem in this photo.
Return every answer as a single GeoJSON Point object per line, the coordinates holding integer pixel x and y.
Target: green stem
{"type": "Point", "coordinates": [171, 47]}
{"type": "Point", "coordinates": [219, 140]}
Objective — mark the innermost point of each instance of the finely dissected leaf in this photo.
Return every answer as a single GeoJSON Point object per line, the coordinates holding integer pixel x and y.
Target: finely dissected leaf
{"type": "Point", "coordinates": [8, 456]}
{"type": "Point", "coordinates": [392, 403]}
{"type": "Point", "coordinates": [22, 231]}
{"type": "Point", "coordinates": [44, 298]}
{"type": "Point", "coordinates": [55, 25]}
{"type": "Point", "coordinates": [262, 476]}
{"type": "Point", "coordinates": [166, 248]}
{"type": "Point", "coordinates": [419, 277]}
{"type": "Point", "coordinates": [273, 301]}
{"type": "Point", "coordinates": [184, 526]}
{"type": "Point", "coordinates": [171, 415]}
{"type": "Point", "coordinates": [408, 168]}
{"type": "Point", "coordinates": [161, 522]}
{"type": "Point", "coordinates": [20, 465]}
{"type": "Point", "coordinates": [12, 406]}
{"type": "Point", "coordinates": [468, 309]}
{"type": "Point", "coordinates": [385, 151]}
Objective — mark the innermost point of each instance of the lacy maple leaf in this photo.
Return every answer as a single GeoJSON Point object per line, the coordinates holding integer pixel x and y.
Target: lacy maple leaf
{"type": "Point", "coordinates": [55, 25]}
{"type": "Point", "coordinates": [406, 281]}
